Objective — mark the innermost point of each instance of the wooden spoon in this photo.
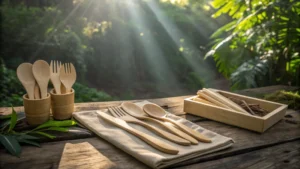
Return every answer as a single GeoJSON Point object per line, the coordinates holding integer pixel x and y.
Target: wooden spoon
{"type": "Point", "coordinates": [41, 72]}
{"type": "Point", "coordinates": [24, 73]}
{"type": "Point", "coordinates": [138, 113]}
{"type": "Point", "coordinates": [159, 113]}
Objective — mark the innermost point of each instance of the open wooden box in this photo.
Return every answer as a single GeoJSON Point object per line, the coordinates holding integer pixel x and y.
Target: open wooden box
{"type": "Point", "coordinates": [247, 121]}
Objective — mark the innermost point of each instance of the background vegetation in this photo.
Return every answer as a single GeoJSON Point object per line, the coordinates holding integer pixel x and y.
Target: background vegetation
{"type": "Point", "coordinates": [152, 48]}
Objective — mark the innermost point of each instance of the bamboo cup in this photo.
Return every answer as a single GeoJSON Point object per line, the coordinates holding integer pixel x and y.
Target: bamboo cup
{"type": "Point", "coordinates": [37, 111]}
{"type": "Point", "coordinates": [62, 105]}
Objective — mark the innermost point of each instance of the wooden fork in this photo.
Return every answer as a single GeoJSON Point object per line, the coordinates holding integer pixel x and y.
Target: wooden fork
{"type": "Point", "coordinates": [152, 141]}
{"type": "Point", "coordinates": [120, 113]}
{"type": "Point", "coordinates": [68, 76]}
{"type": "Point", "coordinates": [55, 75]}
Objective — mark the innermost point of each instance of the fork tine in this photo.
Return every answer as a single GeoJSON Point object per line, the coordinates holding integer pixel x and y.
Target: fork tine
{"type": "Point", "coordinates": [55, 67]}
{"type": "Point", "coordinates": [58, 66]}
{"type": "Point", "coordinates": [51, 69]}
{"type": "Point", "coordinates": [65, 67]}
{"type": "Point", "coordinates": [121, 111]}
{"type": "Point", "coordinates": [62, 69]}
{"type": "Point", "coordinates": [113, 112]}
{"type": "Point", "coordinates": [72, 68]}
{"type": "Point", "coordinates": [69, 67]}
{"type": "Point", "coordinates": [116, 111]}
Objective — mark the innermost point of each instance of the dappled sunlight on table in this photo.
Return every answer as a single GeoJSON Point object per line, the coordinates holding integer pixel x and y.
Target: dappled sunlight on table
{"type": "Point", "coordinates": [83, 155]}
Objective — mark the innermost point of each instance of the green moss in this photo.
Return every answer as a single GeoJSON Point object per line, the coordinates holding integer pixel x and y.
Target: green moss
{"type": "Point", "coordinates": [292, 99]}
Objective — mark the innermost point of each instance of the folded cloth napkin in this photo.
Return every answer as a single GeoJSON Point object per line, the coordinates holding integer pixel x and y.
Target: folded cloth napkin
{"type": "Point", "coordinates": [144, 152]}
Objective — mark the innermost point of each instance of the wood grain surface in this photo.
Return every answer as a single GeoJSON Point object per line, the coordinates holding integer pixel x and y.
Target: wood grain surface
{"type": "Point", "coordinates": [50, 154]}
{"type": "Point", "coordinates": [281, 156]}
{"type": "Point", "coordinates": [278, 147]}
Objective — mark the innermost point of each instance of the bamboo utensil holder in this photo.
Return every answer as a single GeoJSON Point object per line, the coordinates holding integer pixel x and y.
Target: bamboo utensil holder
{"type": "Point", "coordinates": [62, 105]}
{"type": "Point", "coordinates": [37, 111]}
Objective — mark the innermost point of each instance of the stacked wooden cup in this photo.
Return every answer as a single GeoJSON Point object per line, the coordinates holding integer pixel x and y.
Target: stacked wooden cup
{"type": "Point", "coordinates": [38, 102]}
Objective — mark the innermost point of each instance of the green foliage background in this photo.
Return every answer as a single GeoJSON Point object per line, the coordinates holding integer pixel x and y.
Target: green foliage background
{"type": "Point", "coordinates": [152, 48]}
{"type": "Point", "coordinates": [260, 46]}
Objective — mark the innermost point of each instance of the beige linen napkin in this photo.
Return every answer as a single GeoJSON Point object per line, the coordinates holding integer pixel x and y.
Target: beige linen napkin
{"type": "Point", "coordinates": [144, 152]}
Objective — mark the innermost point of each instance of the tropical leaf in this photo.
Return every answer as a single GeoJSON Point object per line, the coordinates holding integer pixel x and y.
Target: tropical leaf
{"type": "Point", "coordinates": [11, 144]}
{"type": "Point", "coordinates": [44, 134]}
{"type": "Point", "coordinates": [13, 120]}
{"type": "Point", "coordinates": [62, 129]}
{"type": "Point", "coordinates": [26, 136]}
{"type": "Point", "coordinates": [245, 75]}
{"type": "Point", "coordinates": [53, 123]}
{"type": "Point", "coordinates": [30, 142]}
{"type": "Point", "coordinates": [223, 29]}
{"type": "Point", "coordinates": [6, 122]}
{"type": "Point", "coordinates": [264, 28]}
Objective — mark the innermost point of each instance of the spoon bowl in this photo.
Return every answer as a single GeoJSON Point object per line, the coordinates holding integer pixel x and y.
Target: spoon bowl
{"type": "Point", "coordinates": [41, 72]}
{"type": "Point", "coordinates": [159, 113]}
{"type": "Point", "coordinates": [138, 113]}
{"type": "Point", "coordinates": [154, 111]}
{"type": "Point", "coordinates": [134, 110]}
{"type": "Point", "coordinates": [25, 75]}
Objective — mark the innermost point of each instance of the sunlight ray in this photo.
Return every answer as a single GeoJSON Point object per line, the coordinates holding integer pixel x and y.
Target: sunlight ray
{"type": "Point", "coordinates": [155, 57]}
{"type": "Point", "coordinates": [199, 66]}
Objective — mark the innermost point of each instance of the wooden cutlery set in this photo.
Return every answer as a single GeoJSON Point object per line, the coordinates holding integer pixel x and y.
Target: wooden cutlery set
{"type": "Point", "coordinates": [131, 113]}
{"type": "Point", "coordinates": [38, 102]}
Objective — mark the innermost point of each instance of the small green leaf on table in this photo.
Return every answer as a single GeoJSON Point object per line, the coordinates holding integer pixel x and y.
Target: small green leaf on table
{"type": "Point", "coordinates": [53, 123]}
{"type": "Point", "coordinates": [61, 129]}
{"type": "Point", "coordinates": [13, 120]}
{"type": "Point", "coordinates": [44, 134]}
{"type": "Point", "coordinates": [11, 144]}
{"type": "Point", "coordinates": [30, 142]}
{"type": "Point", "coordinates": [27, 137]}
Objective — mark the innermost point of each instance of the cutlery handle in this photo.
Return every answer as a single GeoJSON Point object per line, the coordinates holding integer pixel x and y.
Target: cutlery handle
{"type": "Point", "coordinates": [43, 88]}
{"type": "Point", "coordinates": [190, 131]}
{"type": "Point", "coordinates": [154, 142]}
{"type": "Point", "coordinates": [164, 134]}
{"type": "Point", "coordinates": [37, 92]}
{"type": "Point", "coordinates": [175, 131]}
{"type": "Point", "coordinates": [57, 88]}
{"type": "Point", "coordinates": [30, 91]}
{"type": "Point", "coordinates": [63, 89]}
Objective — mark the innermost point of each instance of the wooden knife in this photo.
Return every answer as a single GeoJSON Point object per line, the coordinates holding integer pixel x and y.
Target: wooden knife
{"type": "Point", "coordinates": [154, 142]}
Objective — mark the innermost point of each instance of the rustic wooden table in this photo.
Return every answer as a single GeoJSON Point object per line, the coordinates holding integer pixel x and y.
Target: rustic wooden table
{"type": "Point", "coordinates": [278, 147]}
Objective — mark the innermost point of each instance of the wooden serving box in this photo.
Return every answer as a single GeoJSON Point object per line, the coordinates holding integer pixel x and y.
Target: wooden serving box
{"type": "Point", "coordinates": [243, 120]}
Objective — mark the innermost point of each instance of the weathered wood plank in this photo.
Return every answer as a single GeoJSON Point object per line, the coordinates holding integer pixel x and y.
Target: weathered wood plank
{"type": "Point", "coordinates": [50, 154]}
{"type": "Point", "coordinates": [285, 156]}
{"type": "Point", "coordinates": [172, 104]}
{"type": "Point", "coordinates": [246, 140]}
{"type": "Point", "coordinates": [80, 152]}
